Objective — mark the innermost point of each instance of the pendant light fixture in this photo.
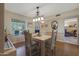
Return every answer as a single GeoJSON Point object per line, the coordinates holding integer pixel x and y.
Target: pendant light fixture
{"type": "Point", "coordinates": [38, 17]}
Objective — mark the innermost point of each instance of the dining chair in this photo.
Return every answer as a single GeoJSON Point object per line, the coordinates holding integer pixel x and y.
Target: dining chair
{"type": "Point", "coordinates": [32, 47]}
{"type": "Point", "coordinates": [51, 44]}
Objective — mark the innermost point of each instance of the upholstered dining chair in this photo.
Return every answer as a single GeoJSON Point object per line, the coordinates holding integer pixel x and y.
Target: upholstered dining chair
{"type": "Point", "coordinates": [32, 47]}
{"type": "Point", "coordinates": [51, 44]}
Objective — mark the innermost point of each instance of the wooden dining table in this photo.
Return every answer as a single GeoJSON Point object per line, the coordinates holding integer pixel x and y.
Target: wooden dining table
{"type": "Point", "coordinates": [42, 40]}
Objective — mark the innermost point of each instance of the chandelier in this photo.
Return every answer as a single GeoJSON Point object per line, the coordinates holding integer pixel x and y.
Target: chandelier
{"type": "Point", "coordinates": [38, 18]}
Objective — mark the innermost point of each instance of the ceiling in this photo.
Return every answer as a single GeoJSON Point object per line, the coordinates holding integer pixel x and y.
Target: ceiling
{"type": "Point", "coordinates": [46, 9]}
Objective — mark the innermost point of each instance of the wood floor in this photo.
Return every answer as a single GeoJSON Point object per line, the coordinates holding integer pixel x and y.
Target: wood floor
{"type": "Point", "coordinates": [62, 49]}
{"type": "Point", "coordinates": [65, 49]}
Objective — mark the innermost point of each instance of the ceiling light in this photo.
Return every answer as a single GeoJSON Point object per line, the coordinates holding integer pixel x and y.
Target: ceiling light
{"type": "Point", "coordinates": [42, 18]}
{"type": "Point", "coordinates": [33, 20]}
{"type": "Point", "coordinates": [38, 18]}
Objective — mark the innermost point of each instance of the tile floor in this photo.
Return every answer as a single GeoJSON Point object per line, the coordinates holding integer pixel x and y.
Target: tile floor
{"type": "Point", "coordinates": [20, 51]}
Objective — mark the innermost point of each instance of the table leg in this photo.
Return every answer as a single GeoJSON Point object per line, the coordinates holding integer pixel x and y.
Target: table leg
{"type": "Point", "coordinates": [43, 48]}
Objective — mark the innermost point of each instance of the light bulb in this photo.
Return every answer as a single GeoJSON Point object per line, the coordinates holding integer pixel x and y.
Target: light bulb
{"type": "Point", "coordinates": [42, 18]}
{"type": "Point", "coordinates": [33, 20]}
{"type": "Point", "coordinates": [38, 19]}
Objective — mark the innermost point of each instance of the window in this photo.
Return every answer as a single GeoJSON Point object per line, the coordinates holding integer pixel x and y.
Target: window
{"type": "Point", "coordinates": [18, 27]}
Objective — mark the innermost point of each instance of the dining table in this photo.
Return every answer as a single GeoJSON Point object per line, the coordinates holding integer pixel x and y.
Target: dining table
{"type": "Point", "coordinates": [42, 39]}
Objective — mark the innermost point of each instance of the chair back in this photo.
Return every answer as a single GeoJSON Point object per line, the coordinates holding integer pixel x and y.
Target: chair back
{"type": "Point", "coordinates": [54, 26]}
{"type": "Point", "coordinates": [53, 39]}
{"type": "Point", "coordinates": [28, 42]}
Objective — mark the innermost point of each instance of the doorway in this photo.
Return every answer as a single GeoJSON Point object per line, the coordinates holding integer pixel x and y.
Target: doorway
{"type": "Point", "coordinates": [70, 30]}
